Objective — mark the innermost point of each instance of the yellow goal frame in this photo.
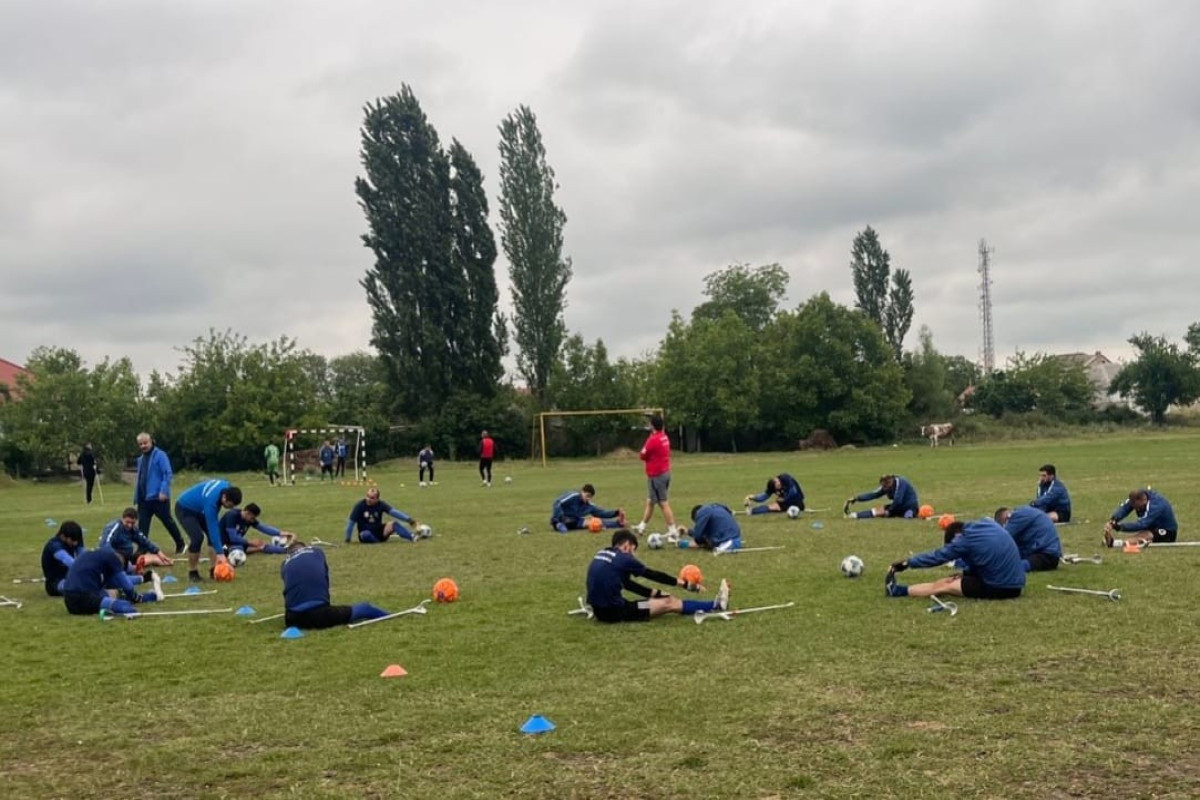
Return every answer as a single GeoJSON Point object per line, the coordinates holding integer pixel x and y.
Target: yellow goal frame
{"type": "Point", "coordinates": [541, 419]}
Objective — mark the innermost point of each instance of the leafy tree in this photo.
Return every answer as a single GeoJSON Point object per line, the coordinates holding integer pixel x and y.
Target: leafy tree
{"type": "Point", "coordinates": [926, 377]}
{"type": "Point", "coordinates": [1058, 388]}
{"type": "Point", "coordinates": [829, 367]}
{"type": "Point", "coordinates": [752, 293]}
{"type": "Point", "coordinates": [1162, 375]}
{"type": "Point", "coordinates": [584, 379]}
{"type": "Point", "coordinates": [871, 269]}
{"type": "Point", "coordinates": [531, 232]}
{"type": "Point", "coordinates": [960, 373]}
{"type": "Point", "coordinates": [480, 339]}
{"type": "Point", "coordinates": [66, 405]}
{"type": "Point", "coordinates": [406, 199]}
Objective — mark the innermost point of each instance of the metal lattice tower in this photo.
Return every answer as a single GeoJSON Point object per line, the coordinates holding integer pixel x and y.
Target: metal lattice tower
{"type": "Point", "coordinates": [988, 347]}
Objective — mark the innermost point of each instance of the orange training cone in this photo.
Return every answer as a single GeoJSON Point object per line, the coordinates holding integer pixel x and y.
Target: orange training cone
{"type": "Point", "coordinates": [394, 671]}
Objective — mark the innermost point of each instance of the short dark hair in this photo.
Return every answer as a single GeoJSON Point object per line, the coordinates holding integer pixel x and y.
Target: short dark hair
{"type": "Point", "coordinates": [233, 494]}
{"type": "Point", "coordinates": [1138, 494]}
{"type": "Point", "coordinates": [623, 535]}
{"type": "Point", "coordinates": [253, 509]}
{"type": "Point", "coordinates": [588, 488]}
{"type": "Point", "coordinates": [1048, 469]}
{"type": "Point", "coordinates": [884, 478]}
{"type": "Point", "coordinates": [999, 513]}
{"type": "Point", "coordinates": [694, 510]}
{"type": "Point", "coordinates": [952, 530]}
{"type": "Point", "coordinates": [129, 513]}
{"type": "Point", "coordinates": [71, 531]}
{"type": "Point", "coordinates": [656, 422]}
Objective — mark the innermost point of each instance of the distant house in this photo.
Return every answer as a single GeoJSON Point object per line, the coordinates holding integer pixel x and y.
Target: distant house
{"type": "Point", "coordinates": [8, 378]}
{"type": "Point", "coordinates": [1100, 370]}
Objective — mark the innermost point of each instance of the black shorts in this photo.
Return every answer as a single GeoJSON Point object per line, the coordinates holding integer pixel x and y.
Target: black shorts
{"type": "Point", "coordinates": [320, 617]}
{"type": "Point", "coordinates": [1042, 562]}
{"type": "Point", "coordinates": [1064, 516]}
{"type": "Point", "coordinates": [977, 589]}
{"type": "Point", "coordinates": [84, 603]}
{"type": "Point", "coordinates": [1161, 535]}
{"type": "Point", "coordinates": [899, 513]}
{"type": "Point", "coordinates": [52, 587]}
{"type": "Point", "coordinates": [632, 611]}
{"type": "Point", "coordinates": [194, 525]}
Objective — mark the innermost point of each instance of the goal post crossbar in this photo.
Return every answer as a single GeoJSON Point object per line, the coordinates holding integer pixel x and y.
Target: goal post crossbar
{"type": "Point", "coordinates": [600, 412]}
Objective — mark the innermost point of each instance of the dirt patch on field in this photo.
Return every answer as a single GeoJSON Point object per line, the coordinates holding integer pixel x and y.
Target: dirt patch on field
{"type": "Point", "coordinates": [622, 454]}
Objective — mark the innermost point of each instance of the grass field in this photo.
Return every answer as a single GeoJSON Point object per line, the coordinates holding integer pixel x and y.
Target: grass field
{"type": "Point", "coordinates": [849, 694]}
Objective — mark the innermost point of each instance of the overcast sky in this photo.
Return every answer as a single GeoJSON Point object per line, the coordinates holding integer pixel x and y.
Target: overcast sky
{"type": "Point", "coordinates": [167, 167]}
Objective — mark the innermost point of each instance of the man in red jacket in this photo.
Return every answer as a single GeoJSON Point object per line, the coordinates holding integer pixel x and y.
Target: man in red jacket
{"type": "Point", "coordinates": [487, 451]}
{"type": "Point", "coordinates": [656, 452]}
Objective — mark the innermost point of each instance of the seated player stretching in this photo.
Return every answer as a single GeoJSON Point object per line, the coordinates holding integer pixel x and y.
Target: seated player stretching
{"type": "Point", "coordinates": [1052, 495]}
{"type": "Point", "coordinates": [1154, 520]}
{"type": "Point", "coordinates": [367, 516]}
{"type": "Point", "coordinates": [122, 535]}
{"type": "Point", "coordinates": [903, 496]}
{"type": "Point", "coordinates": [60, 553]}
{"type": "Point", "coordinates": [715, 528]}
{"type": "Point", "coordinates": [305, 574]}
{"type": "Point", "coordinates": [993, 568]}
{"type": "Point", "coordinates": [236, 524]}
{"type": "Point", "coordinates": [570, 509]}
{"type": "Point", "coordinates": [614, 568]}
{"type": "Point", "coordinates": [97, 582]}
{"type": "Point", "coordinates": [1036, 537]}
{"type": "Point", "coordinates": [786, 490]}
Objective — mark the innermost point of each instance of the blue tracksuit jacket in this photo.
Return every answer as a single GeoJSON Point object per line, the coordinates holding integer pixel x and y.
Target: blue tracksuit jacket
{"type": "Point", "coordinates": [987, 551]}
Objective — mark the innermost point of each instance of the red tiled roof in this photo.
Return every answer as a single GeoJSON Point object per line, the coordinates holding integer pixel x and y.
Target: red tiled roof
{"type": "Point", "coordinates": [9, 372]}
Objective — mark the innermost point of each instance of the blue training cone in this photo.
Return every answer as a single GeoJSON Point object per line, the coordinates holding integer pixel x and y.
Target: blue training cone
{"type": "Point", "coordinates": [192, 590]}
{"type": "Point", "coordinates": [170, 579]}
{"type": "Point", "coordinates": [291, 633]}
{"type": "Point", "coordinates": [246, 611]}
{"type": "Point", "coordinates": [818, 526]}
{"type": "Point", "coordinates": [537, 724]}
{"type": "Point", "coordinates": [50, 523]}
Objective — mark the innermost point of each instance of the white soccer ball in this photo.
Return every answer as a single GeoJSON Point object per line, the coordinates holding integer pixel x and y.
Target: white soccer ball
{"type": "Point", "coordinates": [237, 557]}
{"type": "Point", "coordinates": [852, 566]}
{"type": "Point", "coordinates": [793, 511]}
{"type": "Point", "coordinates": [655, 540]}
{"type": "Point", "coordinates": [424, 531]}
{"type": "Point", "coordinates": [508, 478]}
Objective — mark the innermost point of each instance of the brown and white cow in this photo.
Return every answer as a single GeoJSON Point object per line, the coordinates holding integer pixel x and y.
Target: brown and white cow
{"type": "Point", "coordinates": [944, 430]}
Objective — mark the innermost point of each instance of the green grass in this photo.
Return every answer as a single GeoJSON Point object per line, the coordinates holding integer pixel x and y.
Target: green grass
{"type": "Point", "coordinates": [848, 694]}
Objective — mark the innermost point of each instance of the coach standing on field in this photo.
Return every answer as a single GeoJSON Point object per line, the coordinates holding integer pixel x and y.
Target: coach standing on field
{"type": "Point", "coordinates": [152, 492]}
{"type": "Point", "coordinates": [656, 452]}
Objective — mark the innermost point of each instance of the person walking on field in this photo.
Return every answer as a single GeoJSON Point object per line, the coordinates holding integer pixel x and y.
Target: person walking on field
{"type": "Point", "coordinates": [152, 492]}
{"type": "Point", "coordinates": [271, 454]}
{"type": "Point", "coordinates": [87, 468]}
{"type": "Point", "coordinates": [656, 452]}
{"type": "Point", "coordinates": [487, 451]}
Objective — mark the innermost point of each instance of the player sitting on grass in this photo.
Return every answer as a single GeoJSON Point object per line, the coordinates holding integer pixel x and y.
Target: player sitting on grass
{"type": "Point", "coordinates": [570, 509]}
{"type": "Point", "coordinates": [614, 568]}
{"type": "Point", "coordinates": [992, 562]}
{"type": "Point", "coordinates": [236, 524]}
{"type": "Point", "coordinates": [1052, 496]}
{"type": "Point", "coordinates": [1035, 535]}
{"type": "Point", "coordinates": [715, 528]}
{"type": "Point", "coordinates": [902, 494]}
{"type": "Point", "coordinates": [305, 574]}
{"type": "Point", "coordinates": [122, 535]}
{"type": "Point", "coordinates": [1154, 520]}
{"type": "Point", "coordinates": [97, 582]}
{"type": "Point", "coordinates": [367, 516]}
{"type": "Point", "coordinates": [786, 490]}
{"type": "Point", "coordinates": [60, 553]}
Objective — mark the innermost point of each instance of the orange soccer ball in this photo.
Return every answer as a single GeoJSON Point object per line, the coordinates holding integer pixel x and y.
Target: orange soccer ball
{"type": "Point", "coordinates": [595, 524]}
{"type": "Point", "coordinates": [925, 511]}
{"type": "Point", "coordinates": [690, 573]}
{"type": "Point", "coordinates": [223, 572]}
{"type": "Point", "coordinates": [944, 521]}
{"type": "Point", "coordinates": [445, 590]}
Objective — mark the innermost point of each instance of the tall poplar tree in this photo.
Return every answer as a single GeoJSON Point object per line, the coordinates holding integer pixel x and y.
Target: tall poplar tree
{"type": "Point", "coordinates": [531, 232]}
{"type": "Point", "coordinates": [890, 309]}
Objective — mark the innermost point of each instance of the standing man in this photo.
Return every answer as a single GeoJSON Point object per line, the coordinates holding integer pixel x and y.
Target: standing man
{"type": "Point", "coordinates": [59, 554]}
{"type": "Point", "coordinates": [87, 468]}
{"type": "Point", "coordinates": [325, 456]}
{"type": "Point", "coordinates": [1154, 520]}
{"type": "Point", "coordinates": [199, 511]}
{"type": "Point", "coordinates": [487, 451]}
{"type": "Point", "coordinates": [425, 461]}
{"type": "Point", "coordinates": [340, 470]}
{"type": "Point", "coordinates": [306, 604]}
{"type": "Point", "coordinates": [1036, 537]}
{"type": "Point", "coordinates": [367, 515]}
{"type": "Point", "coordinates": [152, 492]}
{"type": "Point", "coordinates": [902, 494]}
{"type": "Point", "coordinates": [1052, 496]}
{"type": "Point", "coordinates": [714, 528]}
{"type": "Point", "coordinates": [992, 563]}
{"type": "Point", "coordinates": [271, 454]}
{"type": "Point", "coordinates": [656, 452]}
{"type": "Point", "coordinates": [614, 568]}
{"type": "Point", "coordinates": [786, 490]}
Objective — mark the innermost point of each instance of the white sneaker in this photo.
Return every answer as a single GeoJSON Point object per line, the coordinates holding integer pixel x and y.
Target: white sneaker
{"type": "Point", "coordinates": [722, 599]}
{"type": "Point", "coordinates": [724, 547]}
{"type": "Point", "coordinates": [422, 483]}
{"type": "Point", "coordinates": [640, 528]}
{"type": "Point", "coordinates": [158, 590]}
